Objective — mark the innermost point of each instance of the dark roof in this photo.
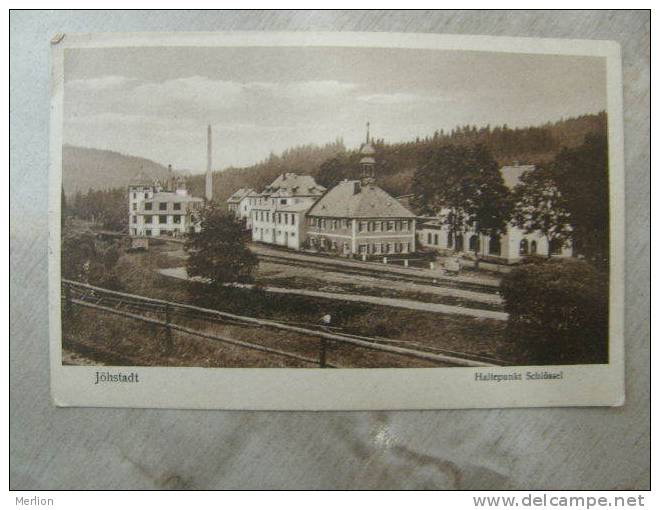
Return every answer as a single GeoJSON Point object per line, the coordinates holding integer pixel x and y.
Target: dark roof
{"type": "Point", "coordinates": [290, 184]}
{"type": "Point", "coordinates": [367, 150]}
{"type": "Point", "coordinates": [349, 199]}
{"type": "Point", "coordinates": [241, 194]}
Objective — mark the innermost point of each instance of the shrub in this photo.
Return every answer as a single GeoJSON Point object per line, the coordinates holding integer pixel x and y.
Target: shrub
{"type": "Point", "coordinates": [558, 311]}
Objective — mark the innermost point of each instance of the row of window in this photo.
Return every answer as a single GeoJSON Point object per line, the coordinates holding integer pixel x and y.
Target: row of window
{"type": "Point", "coordinates": [162, 206]}
{"type": "Point", "coordinates": [149, 232]}
{"type": "Point", "coordinates": [494, 244]}
{"type": "Point", "coordinates": [162, 218]}
{"type": "Point", "coordinates": [261, 231]}
{"type": "Point", "coordinates": [262, 201]}
{"type": "Point", "coordinates": [457, 243]}
{"type": "Point", "coordinates": [363, 226]}
{"type": "Point", "coordinates": [384, 248]}
{"type": "Point", "coordinates": [364, 249]}
{"type": "Point", "coordinates": [277, 217]}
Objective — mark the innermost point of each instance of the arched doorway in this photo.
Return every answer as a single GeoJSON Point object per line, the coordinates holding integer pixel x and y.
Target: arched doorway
{"type": "Point", "coordinates": [458, 242]}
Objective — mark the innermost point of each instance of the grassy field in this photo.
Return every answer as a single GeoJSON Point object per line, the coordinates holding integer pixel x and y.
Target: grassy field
{"type": "Point", "coordinates": [116, 341]}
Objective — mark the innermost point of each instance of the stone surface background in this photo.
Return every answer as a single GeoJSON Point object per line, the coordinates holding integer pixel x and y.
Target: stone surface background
{"type": "Point", "coordinates": [574, 448]}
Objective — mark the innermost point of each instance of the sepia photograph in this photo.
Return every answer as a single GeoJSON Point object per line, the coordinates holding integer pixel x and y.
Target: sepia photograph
{"type": "Point", "coordinates": [256, 205]}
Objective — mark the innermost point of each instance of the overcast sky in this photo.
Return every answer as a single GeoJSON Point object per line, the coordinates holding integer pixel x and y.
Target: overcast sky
{"type": "Point", "coordinates": [156, 102]}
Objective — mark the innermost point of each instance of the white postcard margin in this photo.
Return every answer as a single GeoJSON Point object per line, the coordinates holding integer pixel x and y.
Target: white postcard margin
{"type": "Point", "coordinates": [345, 389]}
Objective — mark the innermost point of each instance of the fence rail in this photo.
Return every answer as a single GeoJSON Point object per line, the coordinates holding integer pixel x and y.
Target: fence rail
{"type": "Point", "coordinates": [117, 303]}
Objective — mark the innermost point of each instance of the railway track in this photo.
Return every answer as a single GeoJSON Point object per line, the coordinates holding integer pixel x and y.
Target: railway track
{"type": "Point", "coordinates": [173, 316]}
{"type": "Point", "coordinates": [382, 274]}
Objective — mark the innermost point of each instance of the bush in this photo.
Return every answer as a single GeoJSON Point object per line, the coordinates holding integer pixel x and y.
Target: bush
{"type": "Point", "coordinates": [558, 312]}
{"type": "Point", "coordinates": [88, 260]}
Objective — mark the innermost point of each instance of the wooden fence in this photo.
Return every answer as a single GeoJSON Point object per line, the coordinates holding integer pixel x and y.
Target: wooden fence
{"type": "Point", "coordinates": [126, 305]}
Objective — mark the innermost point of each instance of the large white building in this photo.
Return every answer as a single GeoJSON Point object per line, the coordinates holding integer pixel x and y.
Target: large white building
{"type": "Point", "coordinates": [157, 210]}
{"type": "Point", "coordinates": [354, 218]}
{"type": "Point", "coordinates": [278, 214]}
{"type": "Point", "coordinates": [509, 248]}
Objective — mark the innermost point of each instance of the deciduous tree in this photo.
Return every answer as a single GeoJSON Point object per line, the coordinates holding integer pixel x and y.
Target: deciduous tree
{"type": "Point", "coordinates": [540, 207]}
{"type": "Point", "coordinates": [463, 186]}
{"type": "Point", "coordinates": [582, 177]}
{"type": "Point", "coordinates": [219, 252]}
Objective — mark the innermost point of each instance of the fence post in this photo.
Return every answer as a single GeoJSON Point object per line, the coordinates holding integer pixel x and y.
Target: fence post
{"type": "Point", "coordinates": [322, 349]}
{"type": "Point", "coordinates": [168, 330]}
{"type": "Point", "coordinates": [405, 262]}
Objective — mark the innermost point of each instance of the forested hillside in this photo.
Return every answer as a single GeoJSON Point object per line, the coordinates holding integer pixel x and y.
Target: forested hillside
{"type": "Point", "coordinates": [306, 159]}
{"type": "Point", "coordinates": [397, 162]}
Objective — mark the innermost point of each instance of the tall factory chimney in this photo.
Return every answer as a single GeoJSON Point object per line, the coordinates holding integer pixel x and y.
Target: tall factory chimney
{"type": "Point", "coordinates": [209, 175]}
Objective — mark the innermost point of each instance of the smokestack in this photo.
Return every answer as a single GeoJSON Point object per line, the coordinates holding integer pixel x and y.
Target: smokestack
{"type": "Point", "coordinates": [209, 175]}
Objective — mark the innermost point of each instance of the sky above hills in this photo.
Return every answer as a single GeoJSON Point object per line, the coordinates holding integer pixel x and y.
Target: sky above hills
{"type": "Point", "coordinates": [156, 102]}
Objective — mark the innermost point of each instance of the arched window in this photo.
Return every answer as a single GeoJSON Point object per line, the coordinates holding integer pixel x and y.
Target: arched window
{"type": "Point", "coordinates": [474, 243]}
{"type": "Point", "coordinates": [450, 239]}
{"type": "Point", "coordinates": [533, 248]}
{"type": "Point", "coordinates": [495, 246]}
{"type": "Point", "coordinates": [524, 247]}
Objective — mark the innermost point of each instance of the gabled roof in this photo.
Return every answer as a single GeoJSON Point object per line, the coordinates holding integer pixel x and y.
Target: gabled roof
{"type": "Point", "coordinates": [290, 184]}
{"type": "Point", "coordinates": [349, 199]}
{"type": "Point", "coordinates": [241, 194]}
{"type": "Point", "coordinates": [511, 174]}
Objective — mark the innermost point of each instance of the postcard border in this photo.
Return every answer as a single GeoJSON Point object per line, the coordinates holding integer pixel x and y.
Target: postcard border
{"type": "Point", "coordinates": [345, 389]}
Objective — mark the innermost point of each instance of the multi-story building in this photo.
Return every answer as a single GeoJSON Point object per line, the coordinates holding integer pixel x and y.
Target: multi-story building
{"type": "Point", "coordinates": [278, 215]}
{"type": "Point", "coordinates": [156, 210]}
{"type": "Point", "coordinates": [241, 204]}
{"type": "Point", "coordinates": [290, 189]}
{"type": "Point", "coordinates": [280, 224]}
{"type": "Point", "coordinates": [354, 218]}
{"type": "Point", "coordinates": [357, 217]}
{"type": "Point", "coordinates": [510, 247]}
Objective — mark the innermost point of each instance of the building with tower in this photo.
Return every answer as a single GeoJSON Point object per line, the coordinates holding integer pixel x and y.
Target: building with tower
{"type": "Point", "coordinates": [358, 218]}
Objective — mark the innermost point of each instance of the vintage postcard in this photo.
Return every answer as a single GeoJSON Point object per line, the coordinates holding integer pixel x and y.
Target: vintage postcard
{"type": "Point", "coordinates": [335, 221]}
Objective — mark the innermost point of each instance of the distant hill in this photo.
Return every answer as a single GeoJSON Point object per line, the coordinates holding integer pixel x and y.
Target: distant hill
{"type": "Point", "coordinates": [84, 168]}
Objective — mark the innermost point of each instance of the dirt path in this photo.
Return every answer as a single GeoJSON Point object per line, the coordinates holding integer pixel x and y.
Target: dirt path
{"type": "Point", "coordinates": [180, 272]}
